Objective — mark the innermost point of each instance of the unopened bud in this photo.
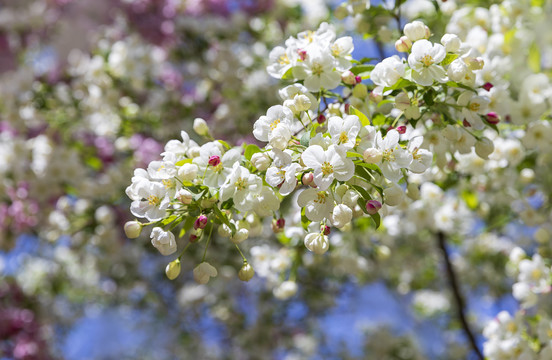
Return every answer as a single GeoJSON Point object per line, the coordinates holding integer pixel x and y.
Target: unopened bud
{"type": "Point", "coordinates": [184, 196]}
{"type": "Point", "coordinates": [376, 96]}
{"type": "Point", "coordinates": [401, 129]}
{"type": "Point", "coordinates": [416, 30]}
{"type": "Point", "coordinates": [173, 269]}
{"type": "Point", "coordinates": [321, 119]}
{"type": "Point", "coordinates": [493, 118]}
{"type": "Point", "coordinates": [360, 91]}
{"type": "Point", "coordinates": [200, 222]}
{"type": "Point", "coordinates": [200, 127]}
{"type": "Point", "coordinates": [308, 179]}
{"type": "Point", "coordinates": [214, 160]}
{"type": "Point", "coordinates": [348, 78]}
{"type": "Point", "coordinates": [278, 225]}
{"type": "Point", "coordinates": [484, 147]}
{"type": "Point", "coordinates": [358, 79]}
{"type": "Point", "coordinates": [133, 229]}
{"type": "Point", "coordinates": [188, 172]}
{"type": "Point", "coordinates": [403, 44]}
{"type": "Point", "coordinates": [246, 272]}
{"type": "Point", "coordinates": [487, 86]}
{"type": "Point", "coordinates": [372, 206]}
{"type": "Point", "coordinates": [261, 161]}
{"type": "Point", "coordinates": [325, 229]}
{"type": "Point", "coordinates": [195, 236]}
{"type": "Point", "coordinates": [475, 63]}
{"type": "Point", "coordinates": [372, 156]}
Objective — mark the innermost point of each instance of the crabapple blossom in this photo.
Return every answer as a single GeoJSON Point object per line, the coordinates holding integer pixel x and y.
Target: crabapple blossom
{"type": "Point", "coordinates": [328, 164]}
{"type": "Point", "coordinates": [424, 61]}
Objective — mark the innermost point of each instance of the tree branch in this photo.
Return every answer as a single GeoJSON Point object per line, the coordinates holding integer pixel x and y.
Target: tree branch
{"type": "Point", "coordinates": [457, 295]}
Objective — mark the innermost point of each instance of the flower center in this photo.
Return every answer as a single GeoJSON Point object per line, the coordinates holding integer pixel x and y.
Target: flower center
{"type": "Point", "coordinates": [536, 274]}
{"type": "Point", "coordinates": [169, 183]}
{"type": "Point", "coordinates": [427, 60]}
{"type": "Point", "coordinates": [343, 137]}
{"type": "Point", "coordinates": [320, 197]}
{"type": "Point", "coordinates": [284, 59]}
{"type": "Point", "coordinates": [153, 200]}
{"type": "Point", "coordinates": [309, 36]}
{"type": "Point", "coordinates": [474, 106]}
{"type": "Point", "coordinates": [336, 50]}
{"type": "Point", "coordinates": [241, 184]}
{"type": "Point", "coordinates": [415, 154]}
{"type": "Point", "coordinates": [327, 168]}
{"type": "Point", "coordinates": [274, 124]}
{"type": "Point", "coordinates": [317, 69]}
{"type": "Point", "coordinates": [388, 155]}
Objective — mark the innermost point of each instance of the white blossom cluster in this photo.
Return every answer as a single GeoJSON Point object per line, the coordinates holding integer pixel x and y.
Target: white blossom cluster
{"type": "Point", "coordinates": [528, 334]}
{"type": "Point", "coordinates": [345, 164]}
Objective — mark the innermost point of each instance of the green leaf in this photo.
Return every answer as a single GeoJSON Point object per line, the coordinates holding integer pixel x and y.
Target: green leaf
{"type": "Point", "coordinates": [401, 84]}
{"type": "Point", "coordinates": [373, 167]}
{"type": "Point", "coordinates": [250, 150]}
{"type": "Point", "coordinates": [458, 85]}
{"type": "Point", "coordinates": [168, 220]}
{"type": "Point", "coordinates": [188, 223]}
{"type": "Point", "coordinates": [363, 199]}
{"type": "Point", "coordinates": [363, 118]}
{"type": "Point", "coordinates": [428, 97]}
{"type": "Point", "coordinates": [353, 154]}
{"type": "Point", "coordinates": [182, 162]}
{"type": "Point", "coordinates": [361, 68]}
{"type": "Point", "coordinates": [378, 119]}
{"type": "Point", "coordinates": [448, 59]}
{"type": "Point", "coordinates": [288, 75]}
{"type": "Point", "coordinates": [224, 143]}
{"type": "Point", "coordinates": [534, 59]}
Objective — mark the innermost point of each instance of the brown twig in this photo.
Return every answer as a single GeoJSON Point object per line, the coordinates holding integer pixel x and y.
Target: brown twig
{"type": "Point", "coordinates": [460, 305]}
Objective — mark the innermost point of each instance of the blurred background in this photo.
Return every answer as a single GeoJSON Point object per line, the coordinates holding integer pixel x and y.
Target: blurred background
{"type": "Point", "coordinates": [90, 90]}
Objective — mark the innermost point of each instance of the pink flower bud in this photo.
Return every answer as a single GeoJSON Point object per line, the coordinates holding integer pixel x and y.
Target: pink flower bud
{"type": "Point", "coordinates": [401, 129]}
{"type": "Point", "coordinates": [487, 86]}
{"type": "Point", "coordinates": [278, 225]}
{"type": "Point", "coordinates": [302, 54]}
{"type": "Point", "coordinates": [214, 160]}
{"type": "Point", "coordinates": [403, 44]}
{"type": "Point", "coordinates": [373, 206]}
{"type": "Point", "coordinates": [200, 222]}
{"type": "Point", "coordinates": [493, 118]}
{"type": "Point", "coordinates": [194, 238]}
{"type": "Point", "coordinates": [307, 179]}
{"type": "Point", "coordinates": [321, 119]}
{"type": "Point", "coordinates": [358, 79]}
{"type": "Point", "coordinates": [325, 229]}
{"type": "Point", "coordinates": [348, 78]}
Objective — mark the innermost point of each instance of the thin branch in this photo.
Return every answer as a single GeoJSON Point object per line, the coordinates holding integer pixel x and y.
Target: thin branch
{"type": "Point", "coordinates": [460, 305]}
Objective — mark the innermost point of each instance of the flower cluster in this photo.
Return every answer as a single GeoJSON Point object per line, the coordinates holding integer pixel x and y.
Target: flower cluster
{"type": "Point", "coordinates": [345, 163]}
{"type": "Point", "coordinates": [526, 335]}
